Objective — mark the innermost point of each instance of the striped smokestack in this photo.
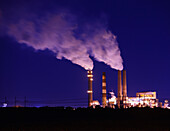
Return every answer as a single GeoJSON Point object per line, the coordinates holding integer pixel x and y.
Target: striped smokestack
{"type": "Point", "coordinates": [104, 90]}
{"type": "Point", "coordinates": [90, 91]}
{"type": "Point", "coordinates": [119, 93]}
{"type": "Point", "coordinates": [124, 89]}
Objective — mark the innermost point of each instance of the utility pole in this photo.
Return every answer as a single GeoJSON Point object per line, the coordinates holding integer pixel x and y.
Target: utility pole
{"type": "Point", "coordinates": [5, 100]}
{"type": "Point", "coordinates": [15, 101]}
{"type": "Point", "coordinates": [25, 101]}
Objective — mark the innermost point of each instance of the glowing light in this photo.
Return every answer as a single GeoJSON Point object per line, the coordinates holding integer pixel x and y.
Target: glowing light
{"type": "Point", "coordinates": [94, 103]}
{"type": "Point", "coordinates": [166, 101]}
{"type": "Point", "coordinates": [4, 105]}
{"type": "Point", "coordinates": [112, 100]}
{"type": "Point", "coordinates": [166, 104]}
{"type": "Point", "coordinates": [146, 95]}
{"type": "Point", "coordinates": [89, 91]}
{"type": "Point", "coordinates": [104, 91]}
{"type": "Point", "coordinates": [89, 71]}
{"type": "Point", "coordinates": [89, 75]}
{"type": "Point", "coordinates": [103, 84]}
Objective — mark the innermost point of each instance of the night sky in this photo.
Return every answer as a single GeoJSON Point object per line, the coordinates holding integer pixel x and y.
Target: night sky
{"type": "Point", "coordinates": [142, 30]}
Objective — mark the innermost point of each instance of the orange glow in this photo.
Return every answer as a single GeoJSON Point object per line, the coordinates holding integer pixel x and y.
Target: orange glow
{"type": "Point", "coordinates": [103, 84]}
{"type": "Point", "coordinates": [94, 103]}
{"type": "Point", "coordinates": [104, 91]}
{"type": "Point", "coordinates": [143, 99]}
{"type": "Point", "coordinates": [91, 79]}
{"type": "Point", "coordinates": [149, 95]}
{"type": "Point", "coordinates": [89, 75]}
{"type": "Point", "coordinates": [89, 91]}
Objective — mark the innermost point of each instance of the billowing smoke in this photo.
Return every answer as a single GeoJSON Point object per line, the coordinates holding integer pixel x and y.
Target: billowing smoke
{"type": "Point", "coordinates": [62, 34]}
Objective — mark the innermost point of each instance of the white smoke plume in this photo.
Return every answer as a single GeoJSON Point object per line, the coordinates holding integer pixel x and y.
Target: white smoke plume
{"type": "Point", "coordinates": [57, 33]}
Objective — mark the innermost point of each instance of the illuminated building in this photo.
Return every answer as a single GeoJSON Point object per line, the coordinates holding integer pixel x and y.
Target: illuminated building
{"type": "Point", "coordinates": [143, 99]}
{"type": "Point", "coordinates": [94, 103]}
{"type": "Point", "coordinates": [166, 104]}
{"type": "Point", "coordinates": [112, 101]}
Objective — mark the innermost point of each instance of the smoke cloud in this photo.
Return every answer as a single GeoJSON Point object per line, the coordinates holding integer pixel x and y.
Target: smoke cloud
{"type": "Point", "coordinates": [62, 34]}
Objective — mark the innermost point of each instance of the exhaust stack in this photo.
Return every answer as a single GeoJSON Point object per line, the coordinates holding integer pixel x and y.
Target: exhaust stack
{"type": "Point", "coordinates": [124, 89]}
{"type": "Point", "coordinates": [90, 91]}
{"type": "Point", "coordinates": [104, 90]}
{"type": "Point", "coordinates": [119, 93]}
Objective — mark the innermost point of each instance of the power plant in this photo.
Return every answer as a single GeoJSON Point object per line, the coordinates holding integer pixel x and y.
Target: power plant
{"type": "Point", "coordinates": [142, 99]}
{"type": "Point", "coordinates": [108, 99]}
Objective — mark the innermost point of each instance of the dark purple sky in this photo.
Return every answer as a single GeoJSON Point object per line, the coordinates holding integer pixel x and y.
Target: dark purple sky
{"type": "Point", "coordinates": [143, 33]}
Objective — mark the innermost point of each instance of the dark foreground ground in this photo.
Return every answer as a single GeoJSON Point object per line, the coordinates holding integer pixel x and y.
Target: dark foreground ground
{"type": "Point", "coordinates": [58, 119]}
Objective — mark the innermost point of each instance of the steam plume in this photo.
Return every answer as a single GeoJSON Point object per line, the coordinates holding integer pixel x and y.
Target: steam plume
{"type": "Point", "coordinates": [58, 33]}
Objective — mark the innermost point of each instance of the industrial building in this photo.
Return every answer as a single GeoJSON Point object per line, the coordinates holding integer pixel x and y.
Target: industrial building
{"type": "Point", "coordinates": [142, 99]}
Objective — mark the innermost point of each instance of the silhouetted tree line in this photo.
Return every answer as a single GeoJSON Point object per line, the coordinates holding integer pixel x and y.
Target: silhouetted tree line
{"type": "Point", "coordinates": [60, 118]}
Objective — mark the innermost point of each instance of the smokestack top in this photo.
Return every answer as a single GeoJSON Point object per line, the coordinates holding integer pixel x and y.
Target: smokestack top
{"type": "Point", "coordinates": [119, 91]}
{"type": "Point", "coordinates": [89, 74]}
{"type": "Point", "coordinates": [89, 71]}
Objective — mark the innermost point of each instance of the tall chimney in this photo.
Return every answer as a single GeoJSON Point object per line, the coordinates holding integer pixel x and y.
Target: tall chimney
{"type": "Point", "coordinates": [124, 89]}
{"type": "Point", "coordinates": [104, 90]}
{"type": "Point", "coordinates": [119, 93]}
{"type": "Point", "coordinates": [90, 91]}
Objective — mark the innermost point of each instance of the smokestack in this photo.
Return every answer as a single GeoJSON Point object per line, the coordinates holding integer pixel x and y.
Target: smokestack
{"type": "Point", "coordinates": [104, 89]}
{"type": "Point", "coordinates": [124, 89]}
{"type": "Point", "coordinates": [90, 91]}
{"type": "Point", "coordinates": [119, 93]}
